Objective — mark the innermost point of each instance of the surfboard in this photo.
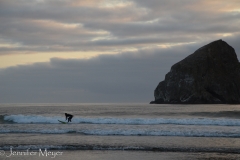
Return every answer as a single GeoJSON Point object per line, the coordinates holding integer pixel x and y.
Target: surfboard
{"type": "Point", "coordinates": [63, 122]}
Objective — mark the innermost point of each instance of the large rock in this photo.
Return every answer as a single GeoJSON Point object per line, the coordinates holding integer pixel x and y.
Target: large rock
{"type": "Point", "coordinates": [208, 76]}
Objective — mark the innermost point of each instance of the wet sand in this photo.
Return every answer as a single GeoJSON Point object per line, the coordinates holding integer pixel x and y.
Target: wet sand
{"type": "Point", "coordinates": [128, 155]}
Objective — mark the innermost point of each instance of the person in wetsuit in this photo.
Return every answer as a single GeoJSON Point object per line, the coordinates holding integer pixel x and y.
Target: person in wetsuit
{"type": "Point", "coordinates": [68, 117]}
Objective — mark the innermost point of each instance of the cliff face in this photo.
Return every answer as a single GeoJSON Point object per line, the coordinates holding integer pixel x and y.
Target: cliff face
{"type": "Point", "coordinates": [210, 75]}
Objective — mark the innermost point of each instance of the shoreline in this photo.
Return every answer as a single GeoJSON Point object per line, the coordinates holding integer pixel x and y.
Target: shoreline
{"type": "Point", "coordinates": [119, 155]}
{"type": "Point", "coordinates": [27, 148]}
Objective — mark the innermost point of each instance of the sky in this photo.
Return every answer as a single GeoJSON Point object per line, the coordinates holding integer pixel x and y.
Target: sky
{"type": "Point", "coordinates": [103, 51]}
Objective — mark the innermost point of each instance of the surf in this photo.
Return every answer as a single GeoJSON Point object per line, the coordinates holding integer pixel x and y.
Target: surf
{"type": "Point", "coordinates": [126, 121]}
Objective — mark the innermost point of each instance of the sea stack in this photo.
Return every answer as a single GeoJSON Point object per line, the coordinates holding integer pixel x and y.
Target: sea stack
{"type": "Point", "coordinates": [211, 75]}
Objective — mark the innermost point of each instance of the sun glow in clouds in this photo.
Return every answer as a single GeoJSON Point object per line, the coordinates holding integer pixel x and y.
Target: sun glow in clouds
{"type": "Point", "coordinates": [26, 59]}
{"type": "Point", "coordinates": [39, 30]}
{"type": "Point", "coordinates": [115, 3]}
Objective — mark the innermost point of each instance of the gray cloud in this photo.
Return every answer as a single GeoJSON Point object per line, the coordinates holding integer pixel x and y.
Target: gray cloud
{"type": "Point", "coordinates": [40, 24]}
{"type": "Point", "coordinates": [128, 77]}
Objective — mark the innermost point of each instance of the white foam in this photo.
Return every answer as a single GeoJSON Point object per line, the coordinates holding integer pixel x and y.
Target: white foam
{"type": "Point", "coordinates": [31, 119]}
{"type": "Point", "coordinates": [126, 121]}
{"type": "Point", "coordinates": [184, 132]}
{"type": "Point", "coordinates": [32, 147]}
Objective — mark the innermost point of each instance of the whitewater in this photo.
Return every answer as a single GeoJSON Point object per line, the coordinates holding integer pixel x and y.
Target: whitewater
{"type": "Point", "coordinates": [126, 121]}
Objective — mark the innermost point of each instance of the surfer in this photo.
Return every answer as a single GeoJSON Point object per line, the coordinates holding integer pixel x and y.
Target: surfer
{"type": "Point", "coordinates": [68, 117]}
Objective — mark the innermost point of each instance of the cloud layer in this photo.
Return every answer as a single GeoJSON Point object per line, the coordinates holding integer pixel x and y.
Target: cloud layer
{"type": "Point", "coordinates": [145, 38]}
{"type": "Point", "coordinates": [74, 25]}
{"type": "Point", "coordinates": [128, 77]}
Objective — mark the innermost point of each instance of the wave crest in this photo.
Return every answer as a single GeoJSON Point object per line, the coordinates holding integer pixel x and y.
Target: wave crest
{"type": "Point", "coordinates": [127, 121]}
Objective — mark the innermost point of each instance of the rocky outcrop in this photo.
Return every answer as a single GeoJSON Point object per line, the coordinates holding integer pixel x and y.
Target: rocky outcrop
{"type": "Point", "coordinates": [211, 75]}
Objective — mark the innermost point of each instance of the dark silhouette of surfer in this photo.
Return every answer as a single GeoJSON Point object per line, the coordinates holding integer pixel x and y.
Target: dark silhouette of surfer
{"type": "Point", "coordinates": [68, 117]}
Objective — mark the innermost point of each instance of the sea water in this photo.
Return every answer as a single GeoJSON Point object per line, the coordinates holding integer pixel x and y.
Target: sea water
{"type": "Point", "coordinates": [119, 131]}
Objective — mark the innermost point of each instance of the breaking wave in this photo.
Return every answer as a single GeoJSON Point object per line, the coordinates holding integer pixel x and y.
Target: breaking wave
{"type": "Point", "coordinates": [133, 132]}
{"type": "Point", "coordinates": [126, 121]}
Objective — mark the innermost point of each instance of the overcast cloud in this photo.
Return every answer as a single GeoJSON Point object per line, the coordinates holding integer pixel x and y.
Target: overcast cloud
{"type": "Point", "coordinates": [146, 37]}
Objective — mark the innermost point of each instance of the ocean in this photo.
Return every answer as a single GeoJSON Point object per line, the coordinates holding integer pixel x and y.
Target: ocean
{"type": "Point", "coordinates": [119, 131]}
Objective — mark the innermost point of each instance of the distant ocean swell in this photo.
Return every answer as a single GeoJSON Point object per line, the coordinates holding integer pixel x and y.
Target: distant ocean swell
{"type": "Point", "coordinates": [126, 121]}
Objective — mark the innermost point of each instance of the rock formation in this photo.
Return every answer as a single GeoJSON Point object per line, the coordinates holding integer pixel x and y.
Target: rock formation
{"type": "Point", "coordinates": [211, 75]}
